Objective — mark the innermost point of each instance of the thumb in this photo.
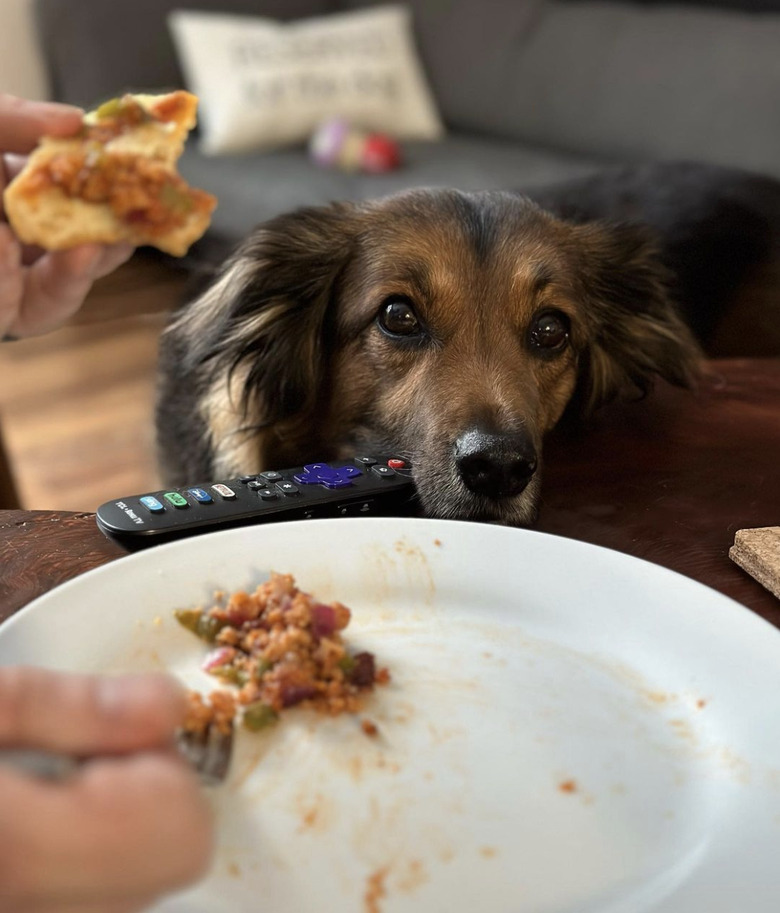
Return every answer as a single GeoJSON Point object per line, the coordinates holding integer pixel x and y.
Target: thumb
{"type": "Point", "coordinates": [23, 122]}
{"type": "Point", "coordinates": [87, 714]}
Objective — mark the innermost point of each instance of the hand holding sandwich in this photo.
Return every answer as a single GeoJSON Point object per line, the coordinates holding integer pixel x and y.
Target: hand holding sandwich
{"type": "Point", "coordinates": [40, 290]}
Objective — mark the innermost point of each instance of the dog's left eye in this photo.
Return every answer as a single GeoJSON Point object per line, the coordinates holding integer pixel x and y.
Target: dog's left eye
{"type": "Point", "coordinates": [397, 317]}
{"type": "Point", "coordinates": [549, 332]}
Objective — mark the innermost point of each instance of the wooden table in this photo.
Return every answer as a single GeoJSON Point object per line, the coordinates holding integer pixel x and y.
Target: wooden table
{"type": "Point", "coordinates": [670, 479]}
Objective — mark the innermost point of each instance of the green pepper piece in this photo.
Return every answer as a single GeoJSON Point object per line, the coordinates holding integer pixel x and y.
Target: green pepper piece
{"type": "Point", "coordinates": [209, 626]}
{"type": "Point", "coordinates": [261, 668]}
{"type": "Point", "coordinates": [259, 715]}
{"type": "Point", "coordinates": [189, 618]}
{"type": "Point", "coordinates": [231, 674]}
{"type": "Point", "coordinates": [347, 664]}
{"type": "Point", "coordinates": [111, 108]}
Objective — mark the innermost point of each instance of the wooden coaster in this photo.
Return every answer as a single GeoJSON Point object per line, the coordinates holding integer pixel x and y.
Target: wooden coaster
{"type": "Point", "coordinates": [757, 551]}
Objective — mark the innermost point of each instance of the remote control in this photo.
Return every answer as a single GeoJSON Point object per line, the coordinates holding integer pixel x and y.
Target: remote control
{"type": "Point", "coordinates": [340, 488]}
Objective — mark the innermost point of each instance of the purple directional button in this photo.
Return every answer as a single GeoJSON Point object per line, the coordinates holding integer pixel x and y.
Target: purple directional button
{"type": "Point", "coordinates": [328, 476]}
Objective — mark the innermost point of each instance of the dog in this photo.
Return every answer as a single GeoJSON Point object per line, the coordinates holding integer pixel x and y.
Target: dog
{"type": "Point", "coordinates": [455, 329]}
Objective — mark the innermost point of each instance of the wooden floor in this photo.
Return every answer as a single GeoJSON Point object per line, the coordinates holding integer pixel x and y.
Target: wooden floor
{"type": "Point", "coordinates": [76, 406]}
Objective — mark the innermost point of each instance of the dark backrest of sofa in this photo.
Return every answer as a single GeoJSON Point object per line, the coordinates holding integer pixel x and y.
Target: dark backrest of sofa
{"type": "Point", "coordinates": [611, 78]}
{"type": "Point", "coordinates": [95, 49]}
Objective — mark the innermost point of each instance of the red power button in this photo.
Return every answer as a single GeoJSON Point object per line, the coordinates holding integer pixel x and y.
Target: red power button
{"type": "Point", "coordinates": [396, 464]}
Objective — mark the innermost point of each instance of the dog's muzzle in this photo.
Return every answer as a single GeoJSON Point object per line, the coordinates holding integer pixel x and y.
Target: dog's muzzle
{"type": "Point", "coordinates": [495, 465]}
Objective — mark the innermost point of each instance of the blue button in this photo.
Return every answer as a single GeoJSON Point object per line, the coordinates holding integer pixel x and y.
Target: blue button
{"type": "Point", "coordinates": [200, 495]}
{"type": "Point", "coordinates": [152, 504]}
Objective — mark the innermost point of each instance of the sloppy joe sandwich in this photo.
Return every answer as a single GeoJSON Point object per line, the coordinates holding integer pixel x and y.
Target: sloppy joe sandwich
{"type": "Point", "coordinates": [115, 180]}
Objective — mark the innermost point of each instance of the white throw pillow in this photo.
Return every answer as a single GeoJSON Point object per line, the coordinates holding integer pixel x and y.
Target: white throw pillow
{"type": "Point", "coordinates": [263, 84]}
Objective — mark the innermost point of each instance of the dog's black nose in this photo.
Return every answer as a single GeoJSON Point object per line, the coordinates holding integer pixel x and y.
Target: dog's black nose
{"type": "Point", "coordinates": [495, 465]}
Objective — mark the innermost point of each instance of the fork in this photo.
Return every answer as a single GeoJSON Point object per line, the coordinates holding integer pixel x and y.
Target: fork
{"type": "Point", "coordinates": [208, 755]}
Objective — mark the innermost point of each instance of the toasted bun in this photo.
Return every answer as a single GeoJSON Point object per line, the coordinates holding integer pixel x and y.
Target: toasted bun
{"type": "Point", "coordinates": [43, 212]}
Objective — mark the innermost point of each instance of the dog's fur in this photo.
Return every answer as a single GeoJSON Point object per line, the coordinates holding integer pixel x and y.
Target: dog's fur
{"type": "Point", "coordinates": [284, 359]}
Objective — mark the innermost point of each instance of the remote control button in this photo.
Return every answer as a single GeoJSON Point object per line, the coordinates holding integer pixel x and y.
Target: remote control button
{"type": "Point", "coordinates": [314, 473]}
{"type": "Point", "coordinates": [396, 464]}
{"type": "Point", "coordinates": [201, 495]}
{"type": "Point", "coordinates": [356, 509]}
{"type": "Point", "coordinates": [328, 476]}
{"type": "Point", "coordinates": [365, 461]}
{"type": "Point", "coordinates": [152, 504]}
{"type": "Point", "coordinates": [288, 489]}
{"type": "Point", "coordinates": [385, 471]}
{"type": "Point", "coordinates": [173, 497]}
{"type": "Point", "coordinates": [256, 485]}
{"type": "Point", "coordinates": [337, 483]}
{"type": "Point", "coordinates": [271, 476]}
{"type": "Point", "coordinates": [224, 492]}
{"type": "Point", "coordinates": [267, 494]}
{"type": "Point", "coordinates": [245, 479]}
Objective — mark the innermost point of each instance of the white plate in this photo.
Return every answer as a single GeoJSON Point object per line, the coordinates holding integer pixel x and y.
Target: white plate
{"type": "Point", "coordinates": [567, 729]}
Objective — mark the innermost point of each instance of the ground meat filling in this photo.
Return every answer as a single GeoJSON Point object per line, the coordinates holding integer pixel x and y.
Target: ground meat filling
{"type": "Point", "coordinates": [218, 711]}
{"type": "Point", "coordinates": [140, 191]}
{"type": "Point", "coordinates": [279, 647]}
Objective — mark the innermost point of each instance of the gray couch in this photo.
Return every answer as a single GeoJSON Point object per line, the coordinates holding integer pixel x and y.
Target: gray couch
{"type": "Point", "coordinates": [531, 92]}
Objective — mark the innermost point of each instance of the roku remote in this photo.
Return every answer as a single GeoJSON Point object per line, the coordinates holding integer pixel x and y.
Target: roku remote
{"type": "Point", "coordinates": [341, 488]}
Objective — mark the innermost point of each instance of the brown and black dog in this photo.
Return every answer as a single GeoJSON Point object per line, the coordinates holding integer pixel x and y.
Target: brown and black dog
{"type": "Point", "coordinates": [453, 328]}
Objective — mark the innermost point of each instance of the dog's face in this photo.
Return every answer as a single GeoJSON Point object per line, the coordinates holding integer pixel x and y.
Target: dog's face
{"type": "Point", "coordinates": [453, 329]}
{"type": "Point", "coordinates": [457, 340]}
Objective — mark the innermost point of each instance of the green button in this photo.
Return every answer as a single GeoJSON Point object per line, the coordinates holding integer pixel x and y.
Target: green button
{"type": "Point", "coordinates": [173, 497]}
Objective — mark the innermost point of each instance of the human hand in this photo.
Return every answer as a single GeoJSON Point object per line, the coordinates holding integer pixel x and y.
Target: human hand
{"type": "Point", "coordinates": [40, 290]}
{"type": "Point", "coordinates": [130, 825]}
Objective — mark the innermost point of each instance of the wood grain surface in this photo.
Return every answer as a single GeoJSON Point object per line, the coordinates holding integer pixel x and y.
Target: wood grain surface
{"type": "Point", "coordinates": [670, 479]}
{"type": "Point", "coordinates": [77, 404]}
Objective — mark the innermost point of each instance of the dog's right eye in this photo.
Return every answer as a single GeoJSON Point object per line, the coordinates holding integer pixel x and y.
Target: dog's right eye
{"type": "Point", "coordinates": [397, 318]}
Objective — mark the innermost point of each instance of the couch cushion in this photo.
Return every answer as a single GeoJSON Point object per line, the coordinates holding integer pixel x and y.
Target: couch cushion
{"type": "Point", "coordinates": [469, 49]}
{"type": "Point", "coordinates": [266, 85]}
{"type": "Point", "coordinates": [255, 187]}
{"type": "Point", "coordinates": [97, 49]}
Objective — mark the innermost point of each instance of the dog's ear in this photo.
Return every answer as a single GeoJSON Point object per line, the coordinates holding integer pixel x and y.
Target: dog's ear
{"type": "Point", "coordinates": [635, 332]}
{"type": "Point", "coordinates": [261, 322]}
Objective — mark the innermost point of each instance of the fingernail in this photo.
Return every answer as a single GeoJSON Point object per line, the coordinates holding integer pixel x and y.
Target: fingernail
{"type": "Point", "coordinates": [122, 694]}
{"type": "Point", "coordinates": [55, 109]}
{"type": "Point", "coordinates": [39, 108]}
{"type": "Point", "coordinates": [85, 259]}
{"type": "Point", "coordinates": [115, 694]}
